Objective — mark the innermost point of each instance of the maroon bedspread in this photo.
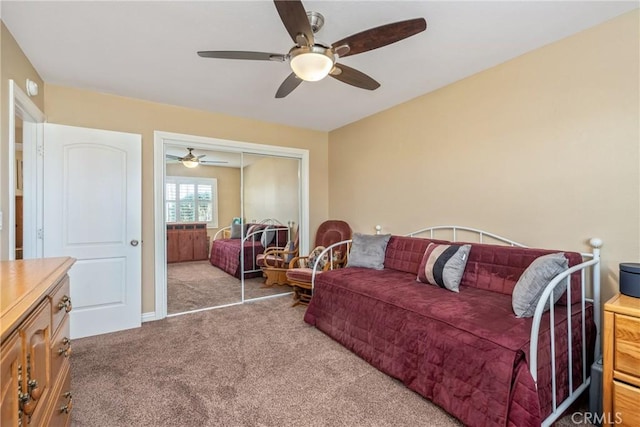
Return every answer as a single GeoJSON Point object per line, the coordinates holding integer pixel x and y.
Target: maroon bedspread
{"type": "Point", "coordinates": [225, 254]}
{"type": "Point", "coordinates": [466, 352]}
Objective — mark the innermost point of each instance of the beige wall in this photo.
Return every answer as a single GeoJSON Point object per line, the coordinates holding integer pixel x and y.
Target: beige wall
{"type": "Point", "coordinates": [228, 189]}
{"type": "Point", "coordinates": [543, 149]}
{"type": "Point", "coordinates": [13, 65]}
{"type": "Point", "coordinates": [76, 107]}
{"type": "Point", "coordinates": [271, 189]}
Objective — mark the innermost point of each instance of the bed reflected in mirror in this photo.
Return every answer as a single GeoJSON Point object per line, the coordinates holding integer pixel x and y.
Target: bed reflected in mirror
{"type": "Point", "coordinates": [213, 240]}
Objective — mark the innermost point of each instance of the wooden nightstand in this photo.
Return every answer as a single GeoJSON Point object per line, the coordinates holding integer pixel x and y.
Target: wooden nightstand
{"type": "Point", "coordinates": [621, 350]}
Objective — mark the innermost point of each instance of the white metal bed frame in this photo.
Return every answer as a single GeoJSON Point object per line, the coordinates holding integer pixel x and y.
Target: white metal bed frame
{"type": "Point", "coordinates": [267, 221]}
{"type": "Point", "coordinates": [592, 262]}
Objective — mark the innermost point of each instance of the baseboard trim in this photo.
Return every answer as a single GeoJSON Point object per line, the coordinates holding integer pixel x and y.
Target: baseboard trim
{"type": "Point", "coordinates": [149, 316]}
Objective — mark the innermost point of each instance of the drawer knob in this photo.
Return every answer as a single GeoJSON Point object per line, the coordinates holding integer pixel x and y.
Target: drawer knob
{"type": "Point", "coordinates": [34, 390]}
{"type": "Point", "coordinates": [65, 351]}
{"type": "Point", "coordinates": [67, 408]}
{"type": "Point", "coordinates": [26, 404]}
{"type": "Point", "coordinates": [65, 302]}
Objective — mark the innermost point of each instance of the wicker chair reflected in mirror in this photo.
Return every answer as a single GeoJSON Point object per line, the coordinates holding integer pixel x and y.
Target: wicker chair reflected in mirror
{"type": "Point", "coordinates": [300, 270]}
{"type": "Point", "coordinates": [275, 261]}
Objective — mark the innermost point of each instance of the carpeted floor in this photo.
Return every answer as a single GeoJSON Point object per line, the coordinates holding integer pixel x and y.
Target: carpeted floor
{"type": "Point", "coordinates": [256, 364]}
{"type": "Point", "coordinates": [198, 284]}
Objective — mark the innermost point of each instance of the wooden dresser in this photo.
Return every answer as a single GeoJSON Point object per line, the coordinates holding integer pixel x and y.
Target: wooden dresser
{"type": "Point", "coordinates": [187, 242]}
{"type": "Point", "coordinates": [621, 363]}
{"type": "Point", "coordinates": [34, 323]}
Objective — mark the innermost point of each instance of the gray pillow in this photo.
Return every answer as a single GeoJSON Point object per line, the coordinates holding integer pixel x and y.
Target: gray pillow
{"type": "Point", "coordinates": [267, 235]}
{"type": "Point", "coordinates": [368, 250]}
{"type": "Point", "coordinates": [236, 230]}
{"type": "Point", "coordinates": [534, 280]}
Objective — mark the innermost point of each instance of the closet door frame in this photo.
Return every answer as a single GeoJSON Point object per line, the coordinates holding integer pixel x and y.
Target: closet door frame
{"type": "Point", "coordinates": [161, 141]}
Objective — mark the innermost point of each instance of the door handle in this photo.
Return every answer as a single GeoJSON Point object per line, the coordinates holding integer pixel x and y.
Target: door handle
{"type": "Point", "coordinates": [134, 243]}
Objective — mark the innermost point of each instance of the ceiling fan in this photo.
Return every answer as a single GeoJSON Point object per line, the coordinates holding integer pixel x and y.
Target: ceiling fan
{"type": "Point", "coordinates": [190, 160]}
{"type": "Point", "coordinates": [311, 60]}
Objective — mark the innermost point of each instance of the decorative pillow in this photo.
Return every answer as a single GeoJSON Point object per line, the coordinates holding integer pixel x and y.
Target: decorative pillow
{"type": "Point", "coordinates": [254, 229]}
{"type": "Point", "coordinates": [368, 250]}
{"type": "Point", "coordinates": [289, 247]}
{"type": "Point", "coordinates": [250, 230]}
{"type": "Point", "coordinates": [314, 254]}
{"type": "Point", "coordinates": [267, 235]}
{"type": "Point", "coordinates": [534, 280]}
{"type": "Point", "coordinates": [443, 265]}
{"type": "Point", "coordinates": [236, 230]}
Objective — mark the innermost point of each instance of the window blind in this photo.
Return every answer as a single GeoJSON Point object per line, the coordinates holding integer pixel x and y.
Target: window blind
{"type": "Point", "coordinates": [191, 200]}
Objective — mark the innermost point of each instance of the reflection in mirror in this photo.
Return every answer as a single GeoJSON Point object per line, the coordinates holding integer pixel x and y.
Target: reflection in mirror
{"type": "Point", "coordinates": [212, 252]}
{"type": "Point", "coordinates": [200, 204]}
{"type": "Point", "coordinates": [271, 196]}
{"type": "Point", "coordinates": [19, 180]}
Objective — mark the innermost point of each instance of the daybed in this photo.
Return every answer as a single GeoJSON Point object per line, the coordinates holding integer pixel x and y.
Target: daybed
{"type": "Point", "coordinates": [226, 252]}
{"type": "Point", "coordinates": [467, 352]}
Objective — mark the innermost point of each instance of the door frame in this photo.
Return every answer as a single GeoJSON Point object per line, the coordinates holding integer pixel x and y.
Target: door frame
{"type": "Point", "coordinates": [21, 106]}
{"type": "Point", "coordinates": [161, 141]}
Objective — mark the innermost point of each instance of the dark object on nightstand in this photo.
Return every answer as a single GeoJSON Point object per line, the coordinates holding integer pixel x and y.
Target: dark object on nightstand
{"type": "Point", "coordinates": [630, 279]}
{"type": "Point", "coordinates": [595, 392]}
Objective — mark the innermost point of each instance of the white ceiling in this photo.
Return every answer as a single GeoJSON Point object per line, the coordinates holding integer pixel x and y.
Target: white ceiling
{"type": "Point", "coordinates": [147, 50]}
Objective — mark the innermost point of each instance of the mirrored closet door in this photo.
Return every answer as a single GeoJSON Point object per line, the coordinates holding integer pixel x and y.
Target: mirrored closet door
{"type": "Point", "coordinates": [212, 200]}
{"type": "Point", "coordinates": [271, 196]}
{"type": "Point", "coordinates": [201, 199]}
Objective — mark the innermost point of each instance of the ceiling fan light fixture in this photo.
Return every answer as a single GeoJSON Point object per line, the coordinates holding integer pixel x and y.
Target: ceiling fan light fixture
{"type": "Point", "coordinates": [311, 63]}
{"type": "Point", "coordinates": [190, 163]}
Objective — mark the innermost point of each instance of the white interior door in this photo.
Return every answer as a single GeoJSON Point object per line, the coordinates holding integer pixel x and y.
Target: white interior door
{"type": "Point", "coordinates": [92, 212]}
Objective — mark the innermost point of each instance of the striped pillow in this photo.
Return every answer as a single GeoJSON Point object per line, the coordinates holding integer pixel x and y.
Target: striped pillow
{"type": "Point", "coordinates": [443, 265]}
{"type": "Point", "coordinates": [252, 232]}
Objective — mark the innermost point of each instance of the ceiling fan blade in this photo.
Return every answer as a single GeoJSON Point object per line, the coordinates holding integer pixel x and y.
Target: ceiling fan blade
{"type": "Point", "coordinates": [288, 85]}
{"type": "Point", "coordinates": [238, 54]}
{"type": "Point", "coordinates": [213, 162]}
{"type": "Point", "coordinates": [295, 20]}
{"type": "Point", "coordinates": [201, 156]}
{"type": "Point", "coordinates": [172, 157]}
{"type": "Point", "coordinates": [374, 38]}
{"type": "Point", "coordinates": [353, 77]}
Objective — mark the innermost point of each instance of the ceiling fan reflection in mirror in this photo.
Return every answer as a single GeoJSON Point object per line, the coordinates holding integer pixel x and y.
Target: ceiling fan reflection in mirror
{"type": "Point", "coordinates": [190, 160]}
{"type": "Point", "coordinates": [311, 60]}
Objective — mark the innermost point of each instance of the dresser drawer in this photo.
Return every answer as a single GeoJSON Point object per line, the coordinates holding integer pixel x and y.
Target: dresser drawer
{"type": "Point", "coordinates": [625, 404]}
{"type": "Point", "coordinates": [60, 303]}
{"type": "Point", "coordinates": [59, 411]}
{"type": "Point", "coordinates": [627, 345]}
{"type": "Point", "coordinates": [60, 347]}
